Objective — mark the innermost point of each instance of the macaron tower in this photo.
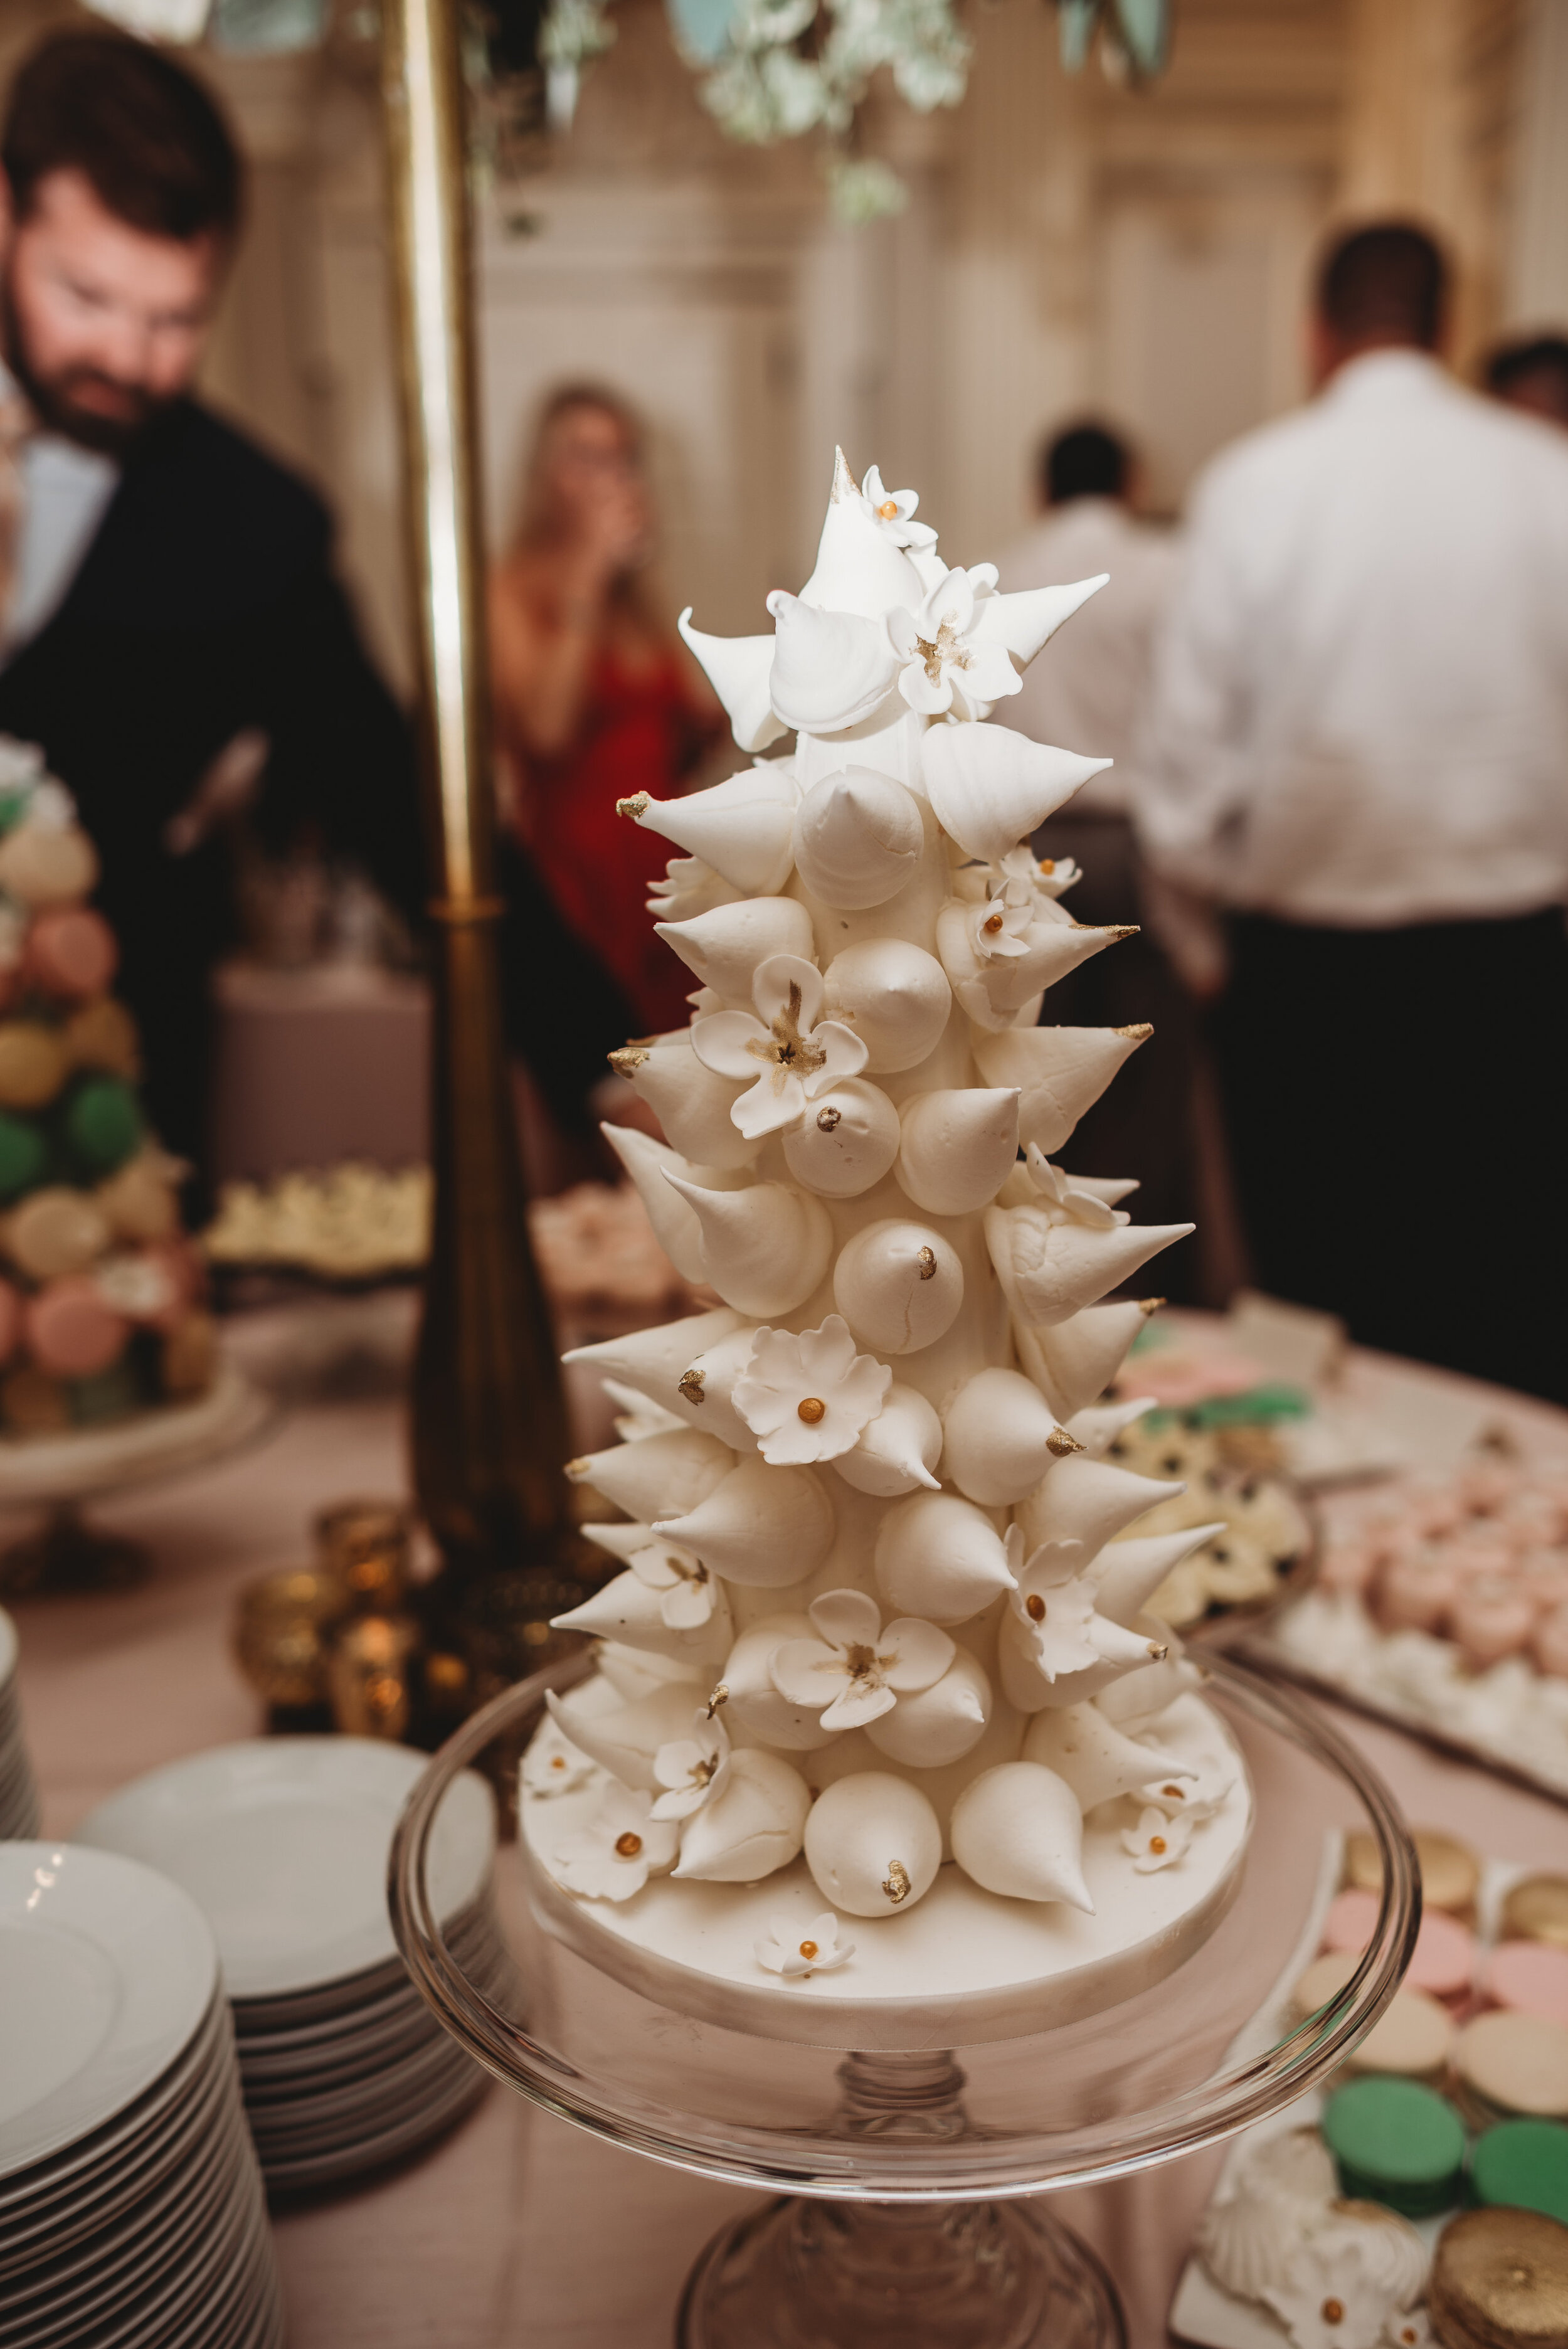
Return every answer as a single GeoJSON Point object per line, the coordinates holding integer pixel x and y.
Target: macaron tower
{"type": "Point", "coordinates": [100, 1312]}
{"type": "Point", "coordinates": [872, 1615]}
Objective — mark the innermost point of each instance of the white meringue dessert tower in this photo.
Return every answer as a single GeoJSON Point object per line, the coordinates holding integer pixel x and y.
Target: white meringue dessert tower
{"type": "Point", "coordinates": [877, 1720]}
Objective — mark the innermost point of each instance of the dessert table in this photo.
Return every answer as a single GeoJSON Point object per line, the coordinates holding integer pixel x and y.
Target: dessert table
{"type": "Point", "coordinates": [497, 2239]}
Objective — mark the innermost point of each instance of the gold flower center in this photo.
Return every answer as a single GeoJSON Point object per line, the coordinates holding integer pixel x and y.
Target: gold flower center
{"type": "Point", "coordinates": [1034, 1607]}
{"type": "Point", "coordinates": [1048, 865]}
{"type": "Point", "coordinates": [811, 1409]}
{"type": "Point", "coordinates": [1175, 1794]}
{"type": "Point", "coordinates": [992, 926]}
{"type": "Point", "coordinates": [787, 1048]}
{"type": "Point", "coordinates": [558, 1761]}
{"type": "Point", "coordinates": [888, 510]}
{"type": "Point", "coordinates": [809, 1948]}
{"type": "Point", "coordinates": [1157, 1845]}
{"type": "Point", "coordinates": [1334, 2311]}
{"type": "Point", "coordinates": [861, 1661]}
{"type": "Point", "coordinates": [628, 1845]}
{"type": "Point", "coordinates": [946, 647]}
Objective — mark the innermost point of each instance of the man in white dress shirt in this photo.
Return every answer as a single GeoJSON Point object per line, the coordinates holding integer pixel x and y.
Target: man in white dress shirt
{"type": "Point", "coordinates": [1087, 693]}
{"type": "Point", "coordinates": [1359, 747]}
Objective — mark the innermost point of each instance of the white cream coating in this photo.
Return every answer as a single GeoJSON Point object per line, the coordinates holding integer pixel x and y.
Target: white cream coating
{"type": "Point", "coordinates": [883, 970]}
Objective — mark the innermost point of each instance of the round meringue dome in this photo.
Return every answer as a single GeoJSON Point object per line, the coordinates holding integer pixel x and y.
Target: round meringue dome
{"type": "Point", "coordinates": [894, 995]}
{"type": "Point", "coordinates": [941, 1723]}
{"type": "Point", "coordinates": [873, 1844]}
{"type": "Point", "coordinates": [942, 1557]}
{"type": "Point", "coordinates": [753, 1824]}
{"type": "Point", "coordinates": [1017, 1830]}
{"type": "Point", "coordinates": [899, 1286]}
{"type": "Point", "coordinates": [846, 1142]}
{"type": "Point", "coordinates": [858, 837]}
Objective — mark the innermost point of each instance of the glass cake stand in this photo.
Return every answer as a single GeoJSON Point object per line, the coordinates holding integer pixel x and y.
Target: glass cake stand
{"type": "Point", "coordinates": [897, 2177]}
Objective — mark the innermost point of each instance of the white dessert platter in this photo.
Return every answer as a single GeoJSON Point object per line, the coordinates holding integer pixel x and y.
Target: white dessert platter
{"type": "Point", "coordinates": [61, 1472]}
{"type": "Point", "coordinates": [132, 2209]}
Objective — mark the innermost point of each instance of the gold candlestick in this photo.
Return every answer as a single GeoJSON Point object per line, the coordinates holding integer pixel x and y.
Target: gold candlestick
{"type": "Point", "coordinates": [488, 1416]}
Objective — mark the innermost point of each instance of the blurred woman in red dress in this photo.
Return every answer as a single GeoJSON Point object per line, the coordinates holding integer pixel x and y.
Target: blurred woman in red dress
{"type": "Point", "coordinates": [594, 696]}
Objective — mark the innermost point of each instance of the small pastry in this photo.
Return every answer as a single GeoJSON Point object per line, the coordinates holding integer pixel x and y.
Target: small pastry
{"type": "Point", "coordinates": [1491, 1620]}
{"type": "Point", "coordinates": [1396, 2142]}
{"type": "Point", "coordinates": [1511, 2063]}
{"type": "Point", "coordinates": [1323, 1981]}
{"type": "Point", "coordinates": [71, 951]}
{"type": "Point", "coordinates": [70, 1332]}
{"type": "Point", "coordinates": [1444, 1959]}
{"type": "Point", "coordinates": [55, 1232]}
{"type": "Point", "coordinates": [103, 1123]}
{"type": "Point", "coordinates": [1416, 1592]}
{"type": "Point", "coordinates": [1499, 2280]}
{"type": "Point", "coordinates": [1411, 2039]}
{"type": "Point", "coordinates": [1523, 2165]}
{"type": "Point", "coordinates": [32, 1064]}
{"type": "Point", "coordinates": [1450, 1872]}
{"type": "Point", "coordinates": [1536, 1909]}
{"type": "Point", "coordinates": [24, 1155]}
{"type": "Point", "coordinates": [43, 867]}
{"type": "Point", "coordinates": [102, 1035]}
{"type": "Point", "coordinates": [1530, 1977]}
{"type": "Point", "coordinates": [141, 1201]}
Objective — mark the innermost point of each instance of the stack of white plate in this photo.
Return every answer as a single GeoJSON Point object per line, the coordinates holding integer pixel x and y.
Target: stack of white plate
{"type": "Point", "coordinates": [283, 1843]}
{"type": "Point", "coordinates": [18, 1795]}
{"type": "Point", "coordinates": [132, 2209]}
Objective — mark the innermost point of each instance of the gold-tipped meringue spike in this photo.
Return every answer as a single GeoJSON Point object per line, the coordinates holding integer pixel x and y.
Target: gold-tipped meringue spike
{"type": "Point", "coordinates": [638, 805]}
{"type": "Point", "coordinates": [1061, 1445]}
{"type": "Point", "coordinates": [628, 1057]}
{"type": "Point", "coordinates": [844, 483]}
{"type": "Point", "coordinates": [577, 1469]}
{"type": "Point", "coordinates": [690, 1385]}
{"type": "Point", "coordinates": [721, 1696]}
{"type": "Point", "coordinates": [1148, 1305]}
{"type": "Point", "coordinates": [1139, 1033]}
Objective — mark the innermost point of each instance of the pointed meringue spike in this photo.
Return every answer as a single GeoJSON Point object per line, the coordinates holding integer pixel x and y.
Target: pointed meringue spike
{"type": "Point", "coordinates": [1027, 621]}
{"type": "Point", "coordinates": [1130, 1572]}
{"type": "Point", "coordinates": [675, 1228]}
{"type": "Point", "coordinates": [940, 1558]}
{"type": "Point", "coordinates": [1060, 1072]}
{"type": "Point", "coordinates": [940, 1725]}
{"type": "Point", "coordinates": [691, 1103]}
{"type": "Point", "coordinates": [1098, 1428]}
{"type": "Point", "coordinates": [764, 1249]}
{"type": "Point", "coordinates": [754, 1824]}
{"type": "Point", "coordinates": [626, 1741]}
{"type": "Point", "coordinates": [621, 1540]}
{"type": "Point", "coordinates": [1000, 1437]}
{"type": "Point", "coordinates": [844, 483]}
{"type": "Point", "coordinates": [1051, 1271]}
{"type": "Point", "coordinates": [653, 1360]}
{"type": "Point", "coordinates": [992, 786]}
{"type": "Point", "coordinates": [1073, 1362]}
{"type": "Point", "coordinates": [1017, 1830]}
{"type": "Point", "coordinates": [857, 838]}
{"type": "Point", "coordinates": [765, 1528]}
{"type": "Point", "coordinates": [738, 668]}
{"type": "Point", "coordinates": [899, 1451]}
{"type": "Point", "coordinates": [725, 946]}
{"type": "Point", "coordinates": [1096, 1759]}
{"type": "Point", "coordinates": [659, 1476]}
{"type": "Point", "coordinates": [628, 1610]}
{"type": "Point", "coordinates": [1088, 1501]}
{"type": "Point", "coordinates": [741, 827]}
{"type": "Point", "coordinates": [830, 669]}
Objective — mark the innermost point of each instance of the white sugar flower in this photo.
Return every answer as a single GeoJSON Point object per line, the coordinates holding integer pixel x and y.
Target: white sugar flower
{"type": "Point", "coordinates": [622, 1845]}
{"type": "Point", "coordinates": [808, 1397]}
{"type": "Point", "coordinates": [1332, 2297]}
{"type": "Point", "coordinates": [1056, 1604]}
{"type": "Point", "coordinates": [948, 662]}
{"type": "Point", "coordinates": [692, 1768]}
{"type": "Point", "coordinates": [790, 1048]}
{"type": "Point", "coordinates": [1155, 1841]}
{"type": "Point", "coordinates": [554, 1765]}
{"type": "Point", "coordinates": [1408, 2328]}
{"type": "Point", "coordinates": [689, 887]}
{"type": "Point", "coordinates": [793, 1949]}
{"type": "Point", "coordinates": [999, 926]}
{"type": "Point", "coordinates": [1194, 1798]}
{"type": "Point", "coordinates": [686, 1588]}
{"type": "Point", "coordinates": [894, 510]}
{"type": "Point", "coordinates": [1054, 876]}
{"type": "Point", "coordinates": [856, 1671]}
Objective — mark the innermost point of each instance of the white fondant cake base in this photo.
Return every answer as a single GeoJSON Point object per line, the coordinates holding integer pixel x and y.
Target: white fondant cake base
{"type": "Point", "coordinates": [962, 1967]}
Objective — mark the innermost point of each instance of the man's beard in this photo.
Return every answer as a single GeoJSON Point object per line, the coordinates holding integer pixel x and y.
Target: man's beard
{"type": "Point", "coordinates": [56, 408]}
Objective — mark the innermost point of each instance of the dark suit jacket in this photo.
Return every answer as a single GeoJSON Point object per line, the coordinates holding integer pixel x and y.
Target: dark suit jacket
{"type": "Point", "coordinates": [206, 604]}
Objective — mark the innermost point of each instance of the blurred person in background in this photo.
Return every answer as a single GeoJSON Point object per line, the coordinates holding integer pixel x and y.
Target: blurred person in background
{"type": "Point", "coordinates": [172, 631]}
{"type": "Point", "coordinates": [1532, 373]}
{"type": "Point", "coordinates": [595, 698]}
{"type": "Point", "coordinates": [1359, 747]}
{"type": "Point", "coordinates": [1090, 695]}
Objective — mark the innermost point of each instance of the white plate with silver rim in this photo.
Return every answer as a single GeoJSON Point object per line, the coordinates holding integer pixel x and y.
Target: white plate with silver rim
{"type": "Point", "coordinates": [106, 1973]}
{"type": "Point", "coordinates": [283, 1842]}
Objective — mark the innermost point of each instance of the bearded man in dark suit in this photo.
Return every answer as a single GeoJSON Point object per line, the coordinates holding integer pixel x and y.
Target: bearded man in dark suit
{"type": "Point", "coordinates": [169, 617]}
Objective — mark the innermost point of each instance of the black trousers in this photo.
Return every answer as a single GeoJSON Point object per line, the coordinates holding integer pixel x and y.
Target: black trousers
{"type": "Point", "coordinates": [1397, 1102]}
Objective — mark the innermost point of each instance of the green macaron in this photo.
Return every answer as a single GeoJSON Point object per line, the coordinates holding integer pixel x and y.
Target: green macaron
{"type": "Point", "coordinates": [24, 1156]}
{"type": "Point", "coordinates": [103, 1123]}
{"type": "Point", "coordinates": [1396, 2142]}
{"type": "Point", "coordinates": [1523, 2165]}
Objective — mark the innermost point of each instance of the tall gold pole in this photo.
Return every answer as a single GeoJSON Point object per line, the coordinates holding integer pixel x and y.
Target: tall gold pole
{"type": "Point", "coordinates": [488, 1420]}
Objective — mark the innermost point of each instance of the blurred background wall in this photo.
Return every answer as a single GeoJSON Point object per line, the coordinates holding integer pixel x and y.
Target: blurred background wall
{"type": "Point", "coordinates": [1066, 245]}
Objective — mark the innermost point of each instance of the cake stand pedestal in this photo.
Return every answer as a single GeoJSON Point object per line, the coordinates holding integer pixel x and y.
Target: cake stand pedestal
{"type": "Point", "coordinates": [67, 1555]}
{"type": "Point", "coordinates": [900, 2174]}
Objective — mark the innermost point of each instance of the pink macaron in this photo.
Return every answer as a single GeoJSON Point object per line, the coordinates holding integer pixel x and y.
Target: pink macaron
{"type": "Point", "coordinates": [1444, 1959]}
{"type": "Point", "coordinates": [1530, 1977]}
{"type": "Point", "coordinates": [70, 1329]}
{"type": "Point", "coordinates": [71, 951]}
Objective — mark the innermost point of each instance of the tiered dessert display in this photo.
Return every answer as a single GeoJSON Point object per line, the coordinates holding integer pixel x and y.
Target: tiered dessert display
{"type": "Point", "coordinates": [878, 1748]}
{"type": "Point", "coordinates": [874, 1615]}
{"type": "Point", "coordinates": [107, 1363]}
